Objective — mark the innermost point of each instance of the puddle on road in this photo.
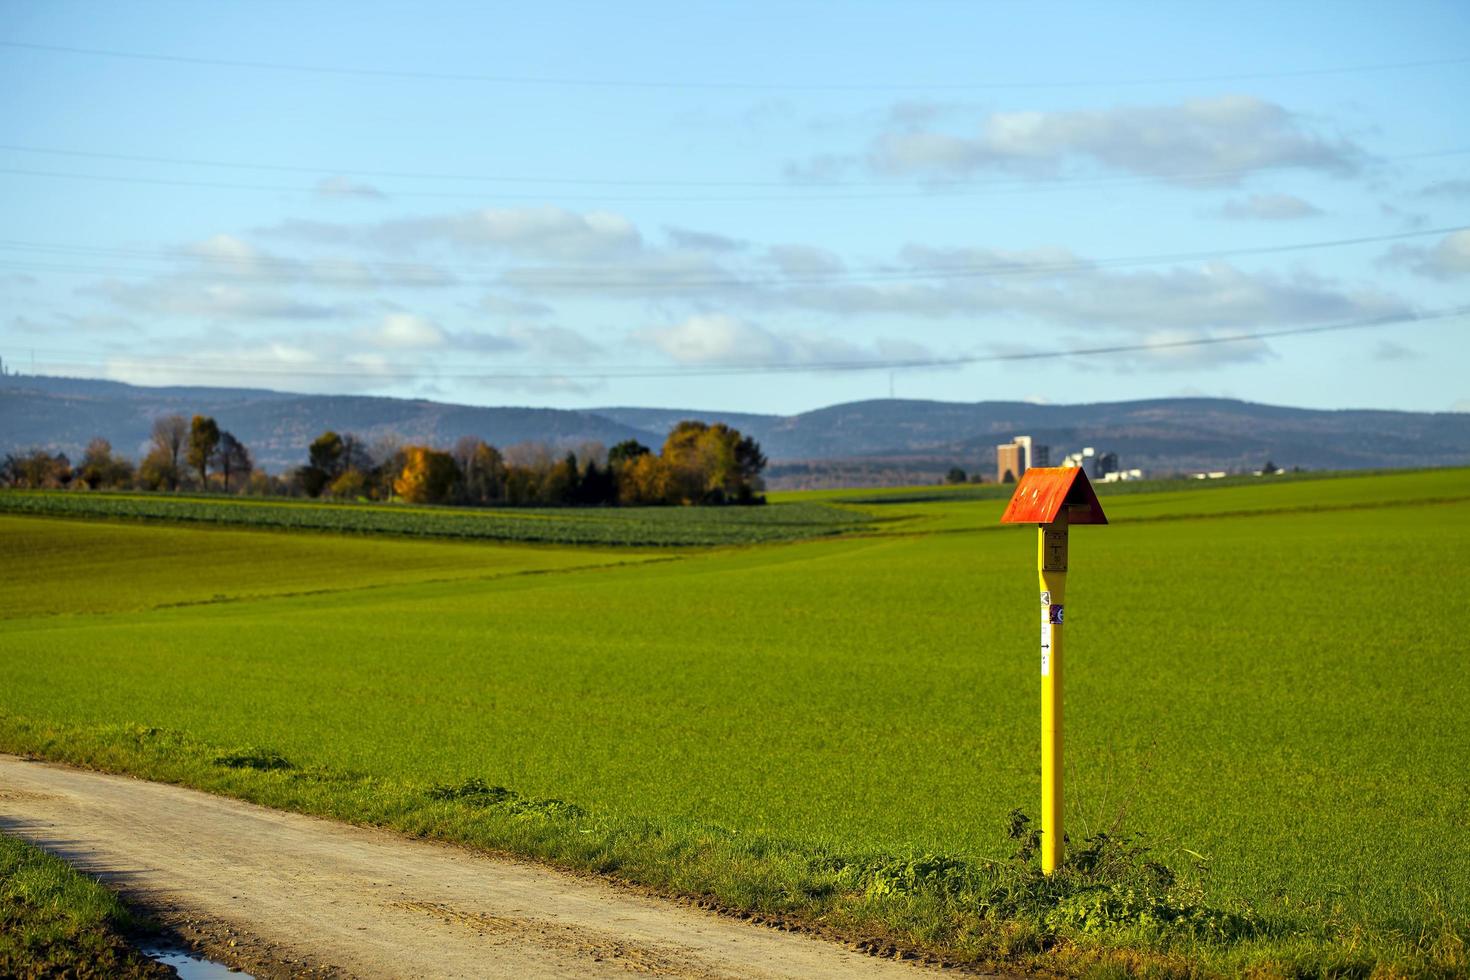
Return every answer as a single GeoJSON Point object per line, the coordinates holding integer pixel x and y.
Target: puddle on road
{"type": "Point", "coordinates": [191, 967]}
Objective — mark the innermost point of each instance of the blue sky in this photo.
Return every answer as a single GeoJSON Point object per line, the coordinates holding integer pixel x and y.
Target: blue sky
{"type": "Point", "coordinates": [758, 207]}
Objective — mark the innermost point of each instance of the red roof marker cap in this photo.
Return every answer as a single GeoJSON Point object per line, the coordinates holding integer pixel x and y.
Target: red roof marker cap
{"type": "Point", "coordinates": [1045, 490]}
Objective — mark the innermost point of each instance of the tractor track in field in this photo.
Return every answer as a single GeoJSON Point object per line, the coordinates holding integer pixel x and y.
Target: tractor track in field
{"type": "Point", "coordinates": [282, 894]}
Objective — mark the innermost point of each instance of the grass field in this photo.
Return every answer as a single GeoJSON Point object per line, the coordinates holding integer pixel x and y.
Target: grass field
{"type": "Point", "coordinates": [1265, 679]}
{"type": "Point", "coordinates": [56, 923]}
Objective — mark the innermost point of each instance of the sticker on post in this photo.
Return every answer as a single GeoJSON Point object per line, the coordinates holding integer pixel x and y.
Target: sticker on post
{"type": "Point", "coordinates": [1055, 614]}
{"type": "Point", "coordinates": [1045, 646]}
{"type": "Point", "coordinates": [1046, 598]}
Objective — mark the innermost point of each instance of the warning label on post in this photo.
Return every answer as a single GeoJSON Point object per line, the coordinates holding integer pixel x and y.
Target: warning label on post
{"type": "Point", "coordinates": [1054, 550]}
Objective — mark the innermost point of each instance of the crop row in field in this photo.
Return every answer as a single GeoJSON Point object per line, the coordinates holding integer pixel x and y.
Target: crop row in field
{"type": "Point", "coordinates": [630, 526]}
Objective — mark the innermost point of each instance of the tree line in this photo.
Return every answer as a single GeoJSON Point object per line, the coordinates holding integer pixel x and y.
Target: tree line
{"type": "Point", "coordinates": [182, 453]}
{"type": "Point", "coordinates": [698, 463]}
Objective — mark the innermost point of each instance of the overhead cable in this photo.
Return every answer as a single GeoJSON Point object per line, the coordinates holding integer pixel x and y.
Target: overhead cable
{"type": "Point", "coordinates": [302, 271]}
{"type": "Point", "coordinates": [948, 187]}
{"type": "Point", "coordinates": [729, 85]}
{"type": "Point", "coordinates": [634, 372]}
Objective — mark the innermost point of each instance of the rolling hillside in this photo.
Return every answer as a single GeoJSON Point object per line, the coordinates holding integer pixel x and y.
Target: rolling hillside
{"type": "Point", "coordinates": [871, 442]}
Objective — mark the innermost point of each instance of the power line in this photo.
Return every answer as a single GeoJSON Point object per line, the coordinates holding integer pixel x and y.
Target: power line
{"type": "Point", "coordinates": [580, 372]}
{"type": "Point", "coordinates": [589, 277]}
{"type": "Point", "coordinates": [572, 82]}
{"type": "Point", "coordinates": [948, 188]}
{"type": "Point", "coordinates": [924, 192]}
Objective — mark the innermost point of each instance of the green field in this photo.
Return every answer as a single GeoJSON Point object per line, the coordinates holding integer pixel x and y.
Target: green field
{"type": "Point", "coordinates": [1268, 680]}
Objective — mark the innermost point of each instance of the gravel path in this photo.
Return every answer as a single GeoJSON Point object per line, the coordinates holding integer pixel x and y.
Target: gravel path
{"type": "Point", "coordinates": [280, 894]}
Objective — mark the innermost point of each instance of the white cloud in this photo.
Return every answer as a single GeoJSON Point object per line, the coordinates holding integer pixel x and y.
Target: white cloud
{"type": "Point", "coordinates": [1458, 187]}
{"type": "Point", "coordinates": [227, 276]}
{"type": "Point", "coordinates": [1206, 140]}
{"type": "Point", "coordinates": [1447, 259]}
{"type": "Point", "coordinates": [659, 274]}
{"type": "Point", "coordinates": [231, 257]}
{"type": "Point", "coordinates": [402, 331]}
{"type": "Point", "coordinates": [1052, 260]}
{"type": "Point", "coordinates": [507, 306]}
{"type": "Point", "coordinates": [229, 248]}
{"type": "Point", "coordinates": [719, 305]}
{"type": "Point", "coordinates": [1056, 287]}
{"type": "Point", "coordinates": [1214, 294]}
{"type": "Point", "coordinates": [405, 331]}
{"type": "Point", "coordinates": [551, 342]}
{"type": "Point", "coordinates": [1269, 207]}
{"type": "Point", "coordinates": [1387, 350]}
{"type": "Point", "coordinates": [703, 240]}
{"type": "Point", "coordinates": [191, 297]}
{"type": "Point", "coordinates": [541, 384]}
{"type": "Point", "coordinates": [340, 187]}
{"type": "Point", "coordinates": [482, 342]}
{"type": "Point", "coordinates": [823, 168]}
{"type": "Point", "coordinates": [71, 325]}
{"type": "Point", "coordinates": [716, 338]}
{"type": "Point", "coordinates": [273, 363]}
{"type": "Point", "coordinates": [721, 340]}
{"type": "Point", "coordinates": [404, 350]}
{"type": "Point", "coordinates": [532, 232]}
{"type": "Point", "coordinates": [805, 260]}
{"type": "Point", "coordinates": [1181, 350]}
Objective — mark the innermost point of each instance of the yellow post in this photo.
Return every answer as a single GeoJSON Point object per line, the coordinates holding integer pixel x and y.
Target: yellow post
{"type": "Point", "coordinates": [1054, 499]}
{"type": "Point", "coordinates": [1051, 563]}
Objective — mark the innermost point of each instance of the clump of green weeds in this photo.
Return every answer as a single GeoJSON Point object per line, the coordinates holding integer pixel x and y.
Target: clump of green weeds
{"type": "Point", "coordinates": [263, 760]}
{"type": "Point", "coordinates": [1110, 884]}
{"type": "Point", "coordinates": [476, 792]}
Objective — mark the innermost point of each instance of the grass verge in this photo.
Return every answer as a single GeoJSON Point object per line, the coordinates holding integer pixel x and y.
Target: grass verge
{"type": "Point", "coordinates": [1114, 909]}
{"type": "Point", "coordinates": [55, 922]}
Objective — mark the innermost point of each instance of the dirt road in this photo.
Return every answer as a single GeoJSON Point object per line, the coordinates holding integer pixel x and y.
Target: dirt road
{"type": "Point", "coordinates": [282, 894]}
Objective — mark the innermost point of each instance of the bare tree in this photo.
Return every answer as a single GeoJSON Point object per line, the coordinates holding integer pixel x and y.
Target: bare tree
{"type": "Point", "coordinates": [530, 455]}
{"type": "Point", "coordinates": [482, 470]}
{"type": "Point", "coordinates": [170, 433]}
{"type": "Point", "coordinates": [591, 451]}
{"type": "Point", "coordinates": [464, 452]}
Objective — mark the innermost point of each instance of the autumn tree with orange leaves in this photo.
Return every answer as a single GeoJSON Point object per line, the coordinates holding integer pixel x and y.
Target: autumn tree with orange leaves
{"type": "Point", "coordinates": [428, 476]}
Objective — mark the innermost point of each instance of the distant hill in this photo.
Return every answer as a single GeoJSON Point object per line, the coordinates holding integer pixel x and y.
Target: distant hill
{"type": "Point", "coordinates": [860, 443]}
{"type": "Point", "coordinates": [64, 414]}
{"type": "Point", "coordinates": [1164, 436]}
